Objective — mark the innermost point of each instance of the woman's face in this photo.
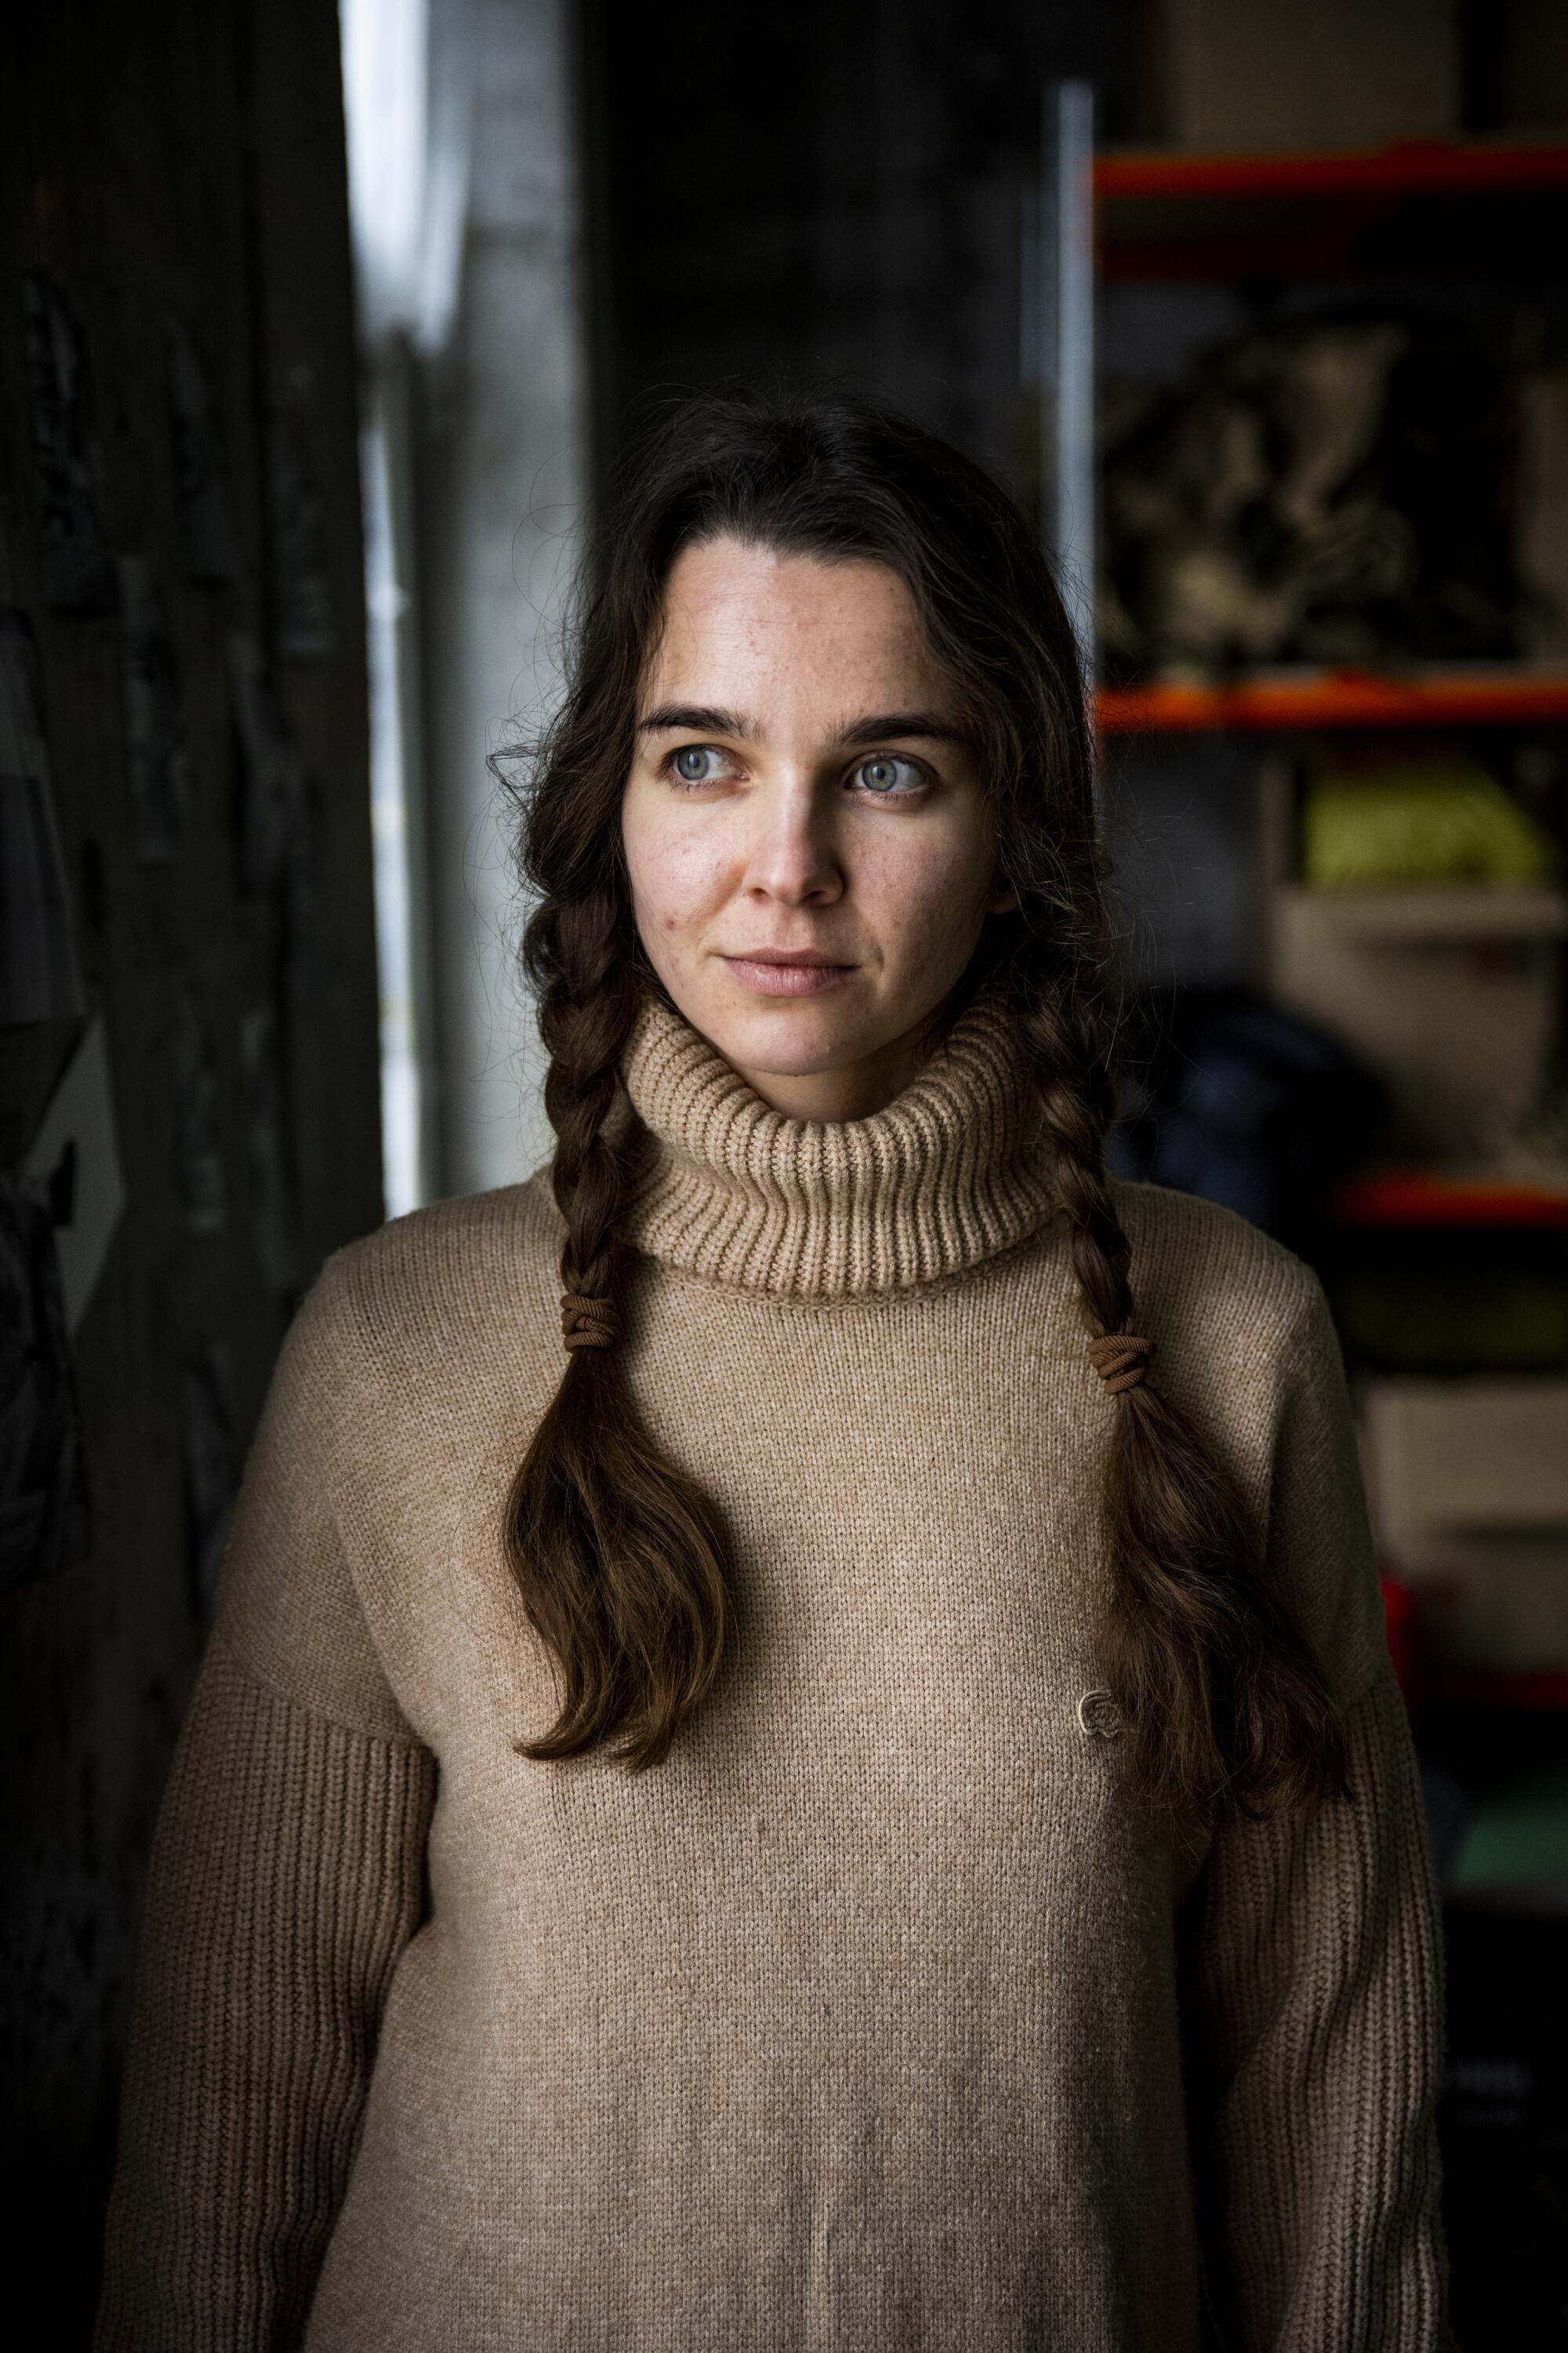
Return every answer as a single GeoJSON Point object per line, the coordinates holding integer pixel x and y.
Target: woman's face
{"type": "Point", "coordinates": [811, 853]}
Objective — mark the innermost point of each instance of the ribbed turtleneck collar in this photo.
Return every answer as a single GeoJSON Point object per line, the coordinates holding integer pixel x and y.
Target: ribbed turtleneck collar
{"type": "Point", "coordinates": [952, 1171]}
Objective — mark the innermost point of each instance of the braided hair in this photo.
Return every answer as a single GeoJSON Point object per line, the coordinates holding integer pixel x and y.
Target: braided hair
{"type": "Point", "coordinates": [620, 1559]}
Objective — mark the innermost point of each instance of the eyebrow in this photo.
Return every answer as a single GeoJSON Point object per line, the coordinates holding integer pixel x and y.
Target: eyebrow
{"type": "Point", "coordinates": [877, 727]}
{"type": "Point", "coordinates": [701, 717]}
{"type": "Point", "coordinates": [881, 726]}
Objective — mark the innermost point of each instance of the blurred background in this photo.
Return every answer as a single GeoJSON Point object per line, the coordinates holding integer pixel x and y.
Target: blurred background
{"type": "Point", "coordinates": [318, 332]}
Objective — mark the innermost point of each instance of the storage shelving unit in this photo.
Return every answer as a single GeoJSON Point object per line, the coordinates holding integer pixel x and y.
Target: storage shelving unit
{"type": "Point", "coordinates": [1195, 217]}
{"type": "Point", "coordinates": [1311, 219]}
{"type": "Point", "coordinates": [1232, 219]}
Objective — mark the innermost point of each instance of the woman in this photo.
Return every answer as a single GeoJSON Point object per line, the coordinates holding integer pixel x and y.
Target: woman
{"type": "Point", "coordinates": [863, 1801]}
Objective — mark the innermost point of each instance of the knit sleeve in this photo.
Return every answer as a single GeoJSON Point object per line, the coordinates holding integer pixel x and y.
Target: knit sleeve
{"type": "Point", "coordinates": [1319, 1997]}
{"type": "Point", "coordinates": [287, 1875]}
{"type": "Point", "coordinates": [1315, 1967]}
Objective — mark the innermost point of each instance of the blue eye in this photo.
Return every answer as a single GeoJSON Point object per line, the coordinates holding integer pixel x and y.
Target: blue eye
{"type": "Point", "coordinates": [698, 763]}
{"type": "Point", "coordinates": [884, 775]}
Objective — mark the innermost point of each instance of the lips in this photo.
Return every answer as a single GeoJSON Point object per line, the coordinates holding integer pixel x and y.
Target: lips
{"type": "Point", "coordinates": [787, 972]}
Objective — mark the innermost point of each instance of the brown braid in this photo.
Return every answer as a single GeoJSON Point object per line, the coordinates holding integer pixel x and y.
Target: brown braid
{"type": "Point", "coordinates": [618, 1558]}
{"type": "Point", "coordinates": [1224, 1706]}
{"type": "Point", "coordinates": [621, 1562]}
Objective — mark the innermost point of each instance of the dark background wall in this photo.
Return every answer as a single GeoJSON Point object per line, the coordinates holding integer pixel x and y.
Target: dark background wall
{"type": "Point", "coordinates": [168, 171]}
{"type": "Point", "coordinates": [829, 191]}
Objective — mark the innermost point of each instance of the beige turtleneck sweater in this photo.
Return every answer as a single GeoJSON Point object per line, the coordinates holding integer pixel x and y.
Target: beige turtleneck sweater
{"type": "Point", "coordinates": [882, 2015]}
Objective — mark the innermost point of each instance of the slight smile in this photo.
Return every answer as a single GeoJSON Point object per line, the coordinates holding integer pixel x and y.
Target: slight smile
{"type": "Point", "coordinates": [782, 973]}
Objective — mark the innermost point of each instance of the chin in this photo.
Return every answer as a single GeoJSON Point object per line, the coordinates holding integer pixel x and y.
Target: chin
{"type": "Point", "coordinates": [793, 1041]}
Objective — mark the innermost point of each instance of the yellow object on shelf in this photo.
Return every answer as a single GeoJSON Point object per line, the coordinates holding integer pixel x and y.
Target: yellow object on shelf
{"type": "Point", "coordinates": [1428, 823]}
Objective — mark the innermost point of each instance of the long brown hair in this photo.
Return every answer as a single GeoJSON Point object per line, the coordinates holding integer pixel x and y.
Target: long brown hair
{"type": "Point", "coordinates": [620, 1559]}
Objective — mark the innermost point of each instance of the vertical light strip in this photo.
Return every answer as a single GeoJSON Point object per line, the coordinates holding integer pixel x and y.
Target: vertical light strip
{"type": "Point", "coordinates": [386, 55]}
{"type": "Point", "coordinates": [387, 99]}
{"type": "Point", "coordinates": [403, 1177]}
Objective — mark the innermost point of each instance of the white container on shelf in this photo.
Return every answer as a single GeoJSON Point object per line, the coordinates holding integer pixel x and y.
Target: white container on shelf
{"type": "Point", "coordinates": [1467, 1480]}
{"type": "Point", "coordinates": [1450, 993]}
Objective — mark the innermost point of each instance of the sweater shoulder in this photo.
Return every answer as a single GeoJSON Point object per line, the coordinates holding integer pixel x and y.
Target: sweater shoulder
{"type": "Point", "coordinates": [422, 1349]}
{"type": "Point", "coordinates": [448, 1271]}
{"type": "Point", "coordinates": [440, 1251]}
{"type": "Point", "coordinates": [1196, 1264]}
{"type": "Point", "coordinates": [435, 1311]}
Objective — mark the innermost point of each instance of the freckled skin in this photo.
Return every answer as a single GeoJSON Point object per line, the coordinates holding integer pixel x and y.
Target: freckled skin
{"type": "Point", "coordinates": [782, 844]}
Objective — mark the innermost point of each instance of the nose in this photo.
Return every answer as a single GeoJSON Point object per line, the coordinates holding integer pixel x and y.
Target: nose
{"type": "Point", "coordinates": [793, 855]}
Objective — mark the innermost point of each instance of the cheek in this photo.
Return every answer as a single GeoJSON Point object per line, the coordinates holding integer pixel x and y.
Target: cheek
{"type": "Point", "coordinates": [678, 873]}
{"type": "Point", "coordinates": [923, 886]}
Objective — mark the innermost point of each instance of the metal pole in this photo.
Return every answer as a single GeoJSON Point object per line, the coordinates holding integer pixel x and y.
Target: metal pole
{"type": "Point", "coordinates": [1065, 314]}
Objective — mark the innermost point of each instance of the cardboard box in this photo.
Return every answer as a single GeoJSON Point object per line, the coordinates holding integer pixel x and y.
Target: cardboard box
{"type": "Point", "coordinates": [1248, 74]}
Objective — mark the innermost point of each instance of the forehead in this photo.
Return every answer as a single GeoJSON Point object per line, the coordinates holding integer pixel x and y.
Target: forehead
{"type": "Point", "coordinates": [748, 628]}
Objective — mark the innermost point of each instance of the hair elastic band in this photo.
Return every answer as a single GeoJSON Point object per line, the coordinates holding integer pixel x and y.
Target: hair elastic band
{"type": "Point", "coordinates": [1121, 1359]}
{"type": "Point", "coordinates": [587, 1323]}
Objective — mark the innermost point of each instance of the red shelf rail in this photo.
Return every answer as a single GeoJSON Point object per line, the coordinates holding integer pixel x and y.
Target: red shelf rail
{"type": "Point", "coordinates": [1337, 699]}
{"type": "Point", "coordinates": [1416, 1198]}
{"type": "Point", "coordinates": [1417, 168]}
